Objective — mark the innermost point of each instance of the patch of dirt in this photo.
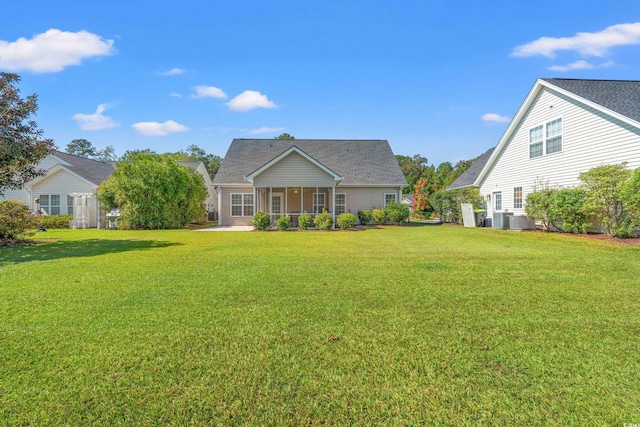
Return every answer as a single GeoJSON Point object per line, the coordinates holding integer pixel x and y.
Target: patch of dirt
{"type": "Point", "coordinates": [606, 238]}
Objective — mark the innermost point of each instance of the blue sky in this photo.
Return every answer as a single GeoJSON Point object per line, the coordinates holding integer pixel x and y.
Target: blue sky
{"type": "Point", "coordinates": [440, 79]}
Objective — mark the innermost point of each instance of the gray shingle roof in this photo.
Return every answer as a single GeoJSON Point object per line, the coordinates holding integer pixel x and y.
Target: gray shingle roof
{"type": "Point", "coordinates": [469, 176]}
{"type": "Point", "coordinates": [621, 96]}
{"type": "Point", "coordinates": [359, 162]}
{"type": "Point", "coordinates": [91, 170]}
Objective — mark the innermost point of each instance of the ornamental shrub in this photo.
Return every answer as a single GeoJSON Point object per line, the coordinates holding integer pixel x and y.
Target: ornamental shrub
{"type": "Point", "coordinates": [284, 222]}
{"type": "Point", "coordinates": [305, 221]}
{"type": "Point", "coordinates": [567, 210]}
{"type": "Point", "coordinates": [52, 221]}
{"type": "Point", "coordinates": [539, 207]}
{"type": "Point", "coordinates": [379, 216]}
{"type": "Point", "coordinates": [323, 221]}
{"type": "Point", "coordinates": [446, 204]}
{"type": "Point", "coordinates": [261, 220]}
{"type": "Point", "coordinates": [346, 220]}
{"type": "Point", "coordinates": [364, 216]}
{"type": "Point", "coordinates": [610, 198]}
{"type": "Point", "coordinates": [15, 220]}
{"type": "Point", "coordinates": [397, 213]}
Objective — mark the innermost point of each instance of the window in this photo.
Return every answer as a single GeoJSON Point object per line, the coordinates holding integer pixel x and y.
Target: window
{"type": "Point", "coordinates": [318, 202]}
{"type": "Point", "coordinates": [535, 142]}
{"type": "Point", "coordinates": [388, 197]}
{"type": "Point", "coordinates": [545, 139]}
{"type": "Point", "coordinates": [341, 203]}
{"type": "Point", "coordinates": [241, 204]}
{"type": "Point", "coordinates": [50, 203]}
{"type": "Point", "coordinates": [554, 136]}
{"type": "Point", "coordinates": [70, 201]}
{"type": "Point", "coordinates": [517, 198]}
{"type": "Point", "coordinates": [497, 201]}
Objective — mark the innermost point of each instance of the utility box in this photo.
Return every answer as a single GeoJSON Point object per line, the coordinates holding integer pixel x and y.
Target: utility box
{"type": "Point", "coordinates": [501, 220]}
{"type": "Point", "coordinates": [481, 216]}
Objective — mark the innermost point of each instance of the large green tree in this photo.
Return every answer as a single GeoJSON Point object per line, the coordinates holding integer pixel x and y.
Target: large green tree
{"type": "Point", "coordinates": [22, 144]}
{"type": "Point", "coordinates": [154, 191]}
{"type": "Point", "coordinates": [284, 136]}
{"type": "Point", "coordinates": [193, 152]}
{"type": "Point", "coordinates": [412, 168]}
{"type": "Point", "coordinates": [84, 148]}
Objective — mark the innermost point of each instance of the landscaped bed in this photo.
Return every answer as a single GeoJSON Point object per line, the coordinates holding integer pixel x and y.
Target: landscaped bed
{"type": "Point", "coordinates": [392, 325]}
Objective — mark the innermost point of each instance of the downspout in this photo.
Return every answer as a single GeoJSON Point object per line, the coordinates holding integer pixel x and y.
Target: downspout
{"type": "Point", "coordinates": [218, 191]}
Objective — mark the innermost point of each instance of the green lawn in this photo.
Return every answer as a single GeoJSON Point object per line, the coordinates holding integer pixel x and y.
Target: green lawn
{"type": "Point", "coordinates": [398, 325]}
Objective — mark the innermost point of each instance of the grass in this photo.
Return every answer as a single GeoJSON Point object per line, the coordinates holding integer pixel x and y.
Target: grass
{"type": "Point", "coordinates": [398, 325]}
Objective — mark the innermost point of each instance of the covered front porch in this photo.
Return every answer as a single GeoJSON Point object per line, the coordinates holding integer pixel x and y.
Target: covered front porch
{"type": "Point", "coordinates": [296, 200]}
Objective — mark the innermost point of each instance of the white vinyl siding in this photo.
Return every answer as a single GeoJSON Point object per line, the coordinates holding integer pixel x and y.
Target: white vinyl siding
{"type": "Point", "coordinates": [590, 138]}
{"type": "Point", "coordinates": [241, 204]}
{"type": "Point", "coordinates": [341, 203]}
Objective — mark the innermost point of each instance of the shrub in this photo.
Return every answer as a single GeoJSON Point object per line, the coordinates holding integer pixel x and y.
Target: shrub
{"type": "Point", "coordinates": [364, 217]}
{"type": "Point", "coordinates": [323, 221]}
{"type": "Point", "coordinates": [538, 207]}
{"type": "Point", "coordinates": [446, 204]}
{"type": "Point", "coordinates": [284, 222]}
{"type": "Point", "coordinates": [346, 220]}
{"type": "Point", "coordinates": [305, 221]}
{"type": "Point", "coordinates": [52, 221]}
{"type": "Point", "coordinates": [567, 210]}
{"type": "Point", "coordinates": [610, 193]}
{"type": "Point", "coordinates": [379, 216]}
{"type": "Point", "coordinates": [261, 220]}
{"type": "Point", "coordinates": [15, 220]}
{"type": "Point", "coordinates": [397, 212]}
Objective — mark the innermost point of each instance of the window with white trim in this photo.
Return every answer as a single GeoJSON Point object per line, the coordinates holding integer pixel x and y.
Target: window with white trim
{"type": "Point", "coordinates": [545, 139]}
{"type": "Point", "coordinates": [497, 201]}
{"type": "Point", "coordinates": [50, 203]}
{"type": "Point", "coordinates": [517, 197]}
{"type": "Point", "coordinates": [388, 197]}
{"type": "Point", "coordinates": [241, 204]}
{"type": "Point", "coordinates": [318, 202]}
{"type": "Point", "coordinates": [341, 203]}
{"type": "Point", "coordinates": [70, 201]}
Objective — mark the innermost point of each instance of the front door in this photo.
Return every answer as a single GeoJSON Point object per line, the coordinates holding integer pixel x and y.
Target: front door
{"type": "Point", "coordinates": [276, 205]}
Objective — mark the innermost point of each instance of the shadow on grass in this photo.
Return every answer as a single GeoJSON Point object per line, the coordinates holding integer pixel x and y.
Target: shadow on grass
{"type": "Point", "coordinates": [84, 248]}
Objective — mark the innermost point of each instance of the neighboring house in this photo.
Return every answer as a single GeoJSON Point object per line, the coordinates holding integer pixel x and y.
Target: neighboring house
{"type": "Point", "coordinates": [70, 183]}
{"type": "Point", "coordinates": [563, 128]}
{"type": "Point", "coordinates": [67, 186]}
{"type": "Point", "coordinates": [296, 176]}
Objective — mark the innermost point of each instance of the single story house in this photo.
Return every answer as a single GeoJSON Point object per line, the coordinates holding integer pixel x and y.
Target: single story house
{"type": "Point", "coordinates": [563, 127]}
{"type": "Point", "coordinates": [305, 175]}
{"type": "Point", "coordinates": [69, 185]}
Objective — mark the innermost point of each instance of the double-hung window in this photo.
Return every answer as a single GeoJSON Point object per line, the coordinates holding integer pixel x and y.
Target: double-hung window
{"type": "Point", "coordinates": [70, 201]}
{"type": "Point", "coordinates": [241, 204]}
{"type": "Point", "coordinates": [497, 201]}
{"type": "Point", "coordinates": [318, 202]}
{"type": "Point", "coordinates": [517, 197]}
{"type": "Point", "coordinates": [341, 203]}
{"type": "Point", "coordinates": [50, 203]}
{"type": "Point", "coordinates": [545, 139]}
{"type": "Point", "coordinates": [389, 197]}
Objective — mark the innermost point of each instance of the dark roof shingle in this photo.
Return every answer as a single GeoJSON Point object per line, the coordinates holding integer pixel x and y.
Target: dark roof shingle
{"type": "Point", "coordinates": [359, 162]}
{"type": "Point", "coordinates": [92, 170]}
{"type": "Point", "coordinates": [621, 96]}
{"type": "Point", "coordinates": [469, 176]}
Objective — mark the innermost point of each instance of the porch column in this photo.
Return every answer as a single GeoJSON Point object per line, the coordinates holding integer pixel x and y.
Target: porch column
{"type": "Point", "coordinates": [286, 200]}
{"type": "Point", "coordinates": [333, 204]}
{"type": "Point", "coordinates": [255, 202]}
{"type": "Point", "coordinates": [302, 200]}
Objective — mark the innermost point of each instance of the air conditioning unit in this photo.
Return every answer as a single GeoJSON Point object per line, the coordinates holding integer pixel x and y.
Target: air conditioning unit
{"type": "Point", "coordinates": [521, 222]}
{"type": "Point", "coordinates": [501, 220]}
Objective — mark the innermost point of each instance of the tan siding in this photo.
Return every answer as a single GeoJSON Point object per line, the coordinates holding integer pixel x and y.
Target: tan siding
{"type": "Point", "coordinates": [293, 170]}
{"type": "Point", "coordinates": [63, 184]}
{"type": "Point", "coordinates": [590, 139]}
{"type": "Point", "coordinates": [365, 198]}
{"type": "Point", "coordinates": [224, 216]}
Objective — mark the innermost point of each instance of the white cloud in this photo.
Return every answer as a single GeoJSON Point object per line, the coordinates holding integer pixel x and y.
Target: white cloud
{"type": "Point", "coordinates": [264, 130]}
{"type": "Point", "coordinates": [175, 95]}
{"type": "Point", "coordinates": [159, 129]}
{"type": "Point", "coordinates": [248, 100]}
{"type": "Point", "coordinates": [52, 51]}
{"type": "Point", "coordinates": [580, 65]}
{"type": "Point", "coordinates": [172, 72]}
{"type": "Point", "coordinates": [587, 44]}
{"type": "Point", "coordinates": [208, 92]}
{"type": "Point", "coordinates": [95, 121]}
{"type": "Point", "coordinates": [495, 118]}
